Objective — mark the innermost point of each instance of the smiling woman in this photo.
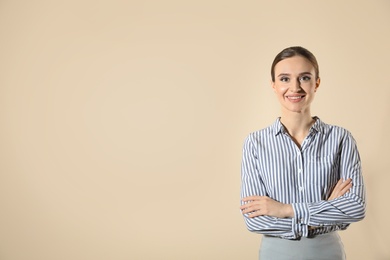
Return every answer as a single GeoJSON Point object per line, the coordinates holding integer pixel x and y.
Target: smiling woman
{"type": "Point", "coordinates": [301, 178]}
{"type": "Point", "coordinates": [296, 83]}
{"type": "Point", "coordinates": [297, 78]}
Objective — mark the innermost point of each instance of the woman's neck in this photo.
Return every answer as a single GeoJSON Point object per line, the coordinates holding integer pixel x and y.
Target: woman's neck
{"type": "Point", "coordinates": [297, 125]}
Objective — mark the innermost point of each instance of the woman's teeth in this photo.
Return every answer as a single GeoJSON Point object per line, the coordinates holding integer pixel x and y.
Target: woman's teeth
{"type": "Point", "coordinates": [295, 97]}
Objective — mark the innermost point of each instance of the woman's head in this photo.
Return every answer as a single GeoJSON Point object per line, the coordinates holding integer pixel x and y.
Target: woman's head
{"type": "Point", "coordinates": [295, 79]}
{"type": "Point", "coordinates": [295, 51]}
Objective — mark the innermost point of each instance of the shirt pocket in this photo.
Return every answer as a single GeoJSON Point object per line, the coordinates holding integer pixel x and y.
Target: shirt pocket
{"type": "Point", "coordinates": [322, 171]}
{"type": "Point", "coordinates": [321, 158]}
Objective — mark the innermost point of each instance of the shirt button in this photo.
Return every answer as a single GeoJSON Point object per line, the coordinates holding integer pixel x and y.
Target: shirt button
{"type": "Point", "coordinates": [299, 170]}
{"type": "Point", "coordinates": [300, 188]}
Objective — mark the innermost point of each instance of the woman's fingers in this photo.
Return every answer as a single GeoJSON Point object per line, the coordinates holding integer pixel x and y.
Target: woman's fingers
{"type": "Point", "coordinates": [344, 187]}
{"type": "Point", "coordinates": [341, 188]}
{"type": "Point", "coordinates": [263, 205]}
{"type": "Point", "coordinates": [251, 198]}
{"type": "Point", "coordinates": [253, 205]}
{"type": "Point", "coordinates": [250, 203]}
{"type": "Point", "coordinates": [250, 209]}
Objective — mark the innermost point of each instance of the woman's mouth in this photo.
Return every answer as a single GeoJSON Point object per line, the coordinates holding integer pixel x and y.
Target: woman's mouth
{"type": "Point", "coordinates": [295, 99]}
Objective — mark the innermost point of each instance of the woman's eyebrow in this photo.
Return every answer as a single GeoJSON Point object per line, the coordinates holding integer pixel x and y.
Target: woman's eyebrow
{"type": "Point", "coordinates": [305, 73]}
{"type": "Point", "coordinates": [302, 73]}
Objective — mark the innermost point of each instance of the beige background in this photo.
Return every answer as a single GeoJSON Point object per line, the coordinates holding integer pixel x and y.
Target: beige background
{"type": "Point", "coordinates": [122, 122]}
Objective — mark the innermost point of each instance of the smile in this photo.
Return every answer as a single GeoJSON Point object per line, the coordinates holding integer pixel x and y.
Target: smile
{"type": "Point", "coordinates": [295, 98]}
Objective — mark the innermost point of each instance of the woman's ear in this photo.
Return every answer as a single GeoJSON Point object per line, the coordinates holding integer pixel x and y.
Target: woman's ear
{"type": "Point", "coordinates": [318, 81]}
{"type": "Point", "coordinates": [272, 85]}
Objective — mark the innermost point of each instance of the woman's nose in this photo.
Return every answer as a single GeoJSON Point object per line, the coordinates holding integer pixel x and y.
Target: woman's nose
{"type": "Point", "coordinates": [296, 85]}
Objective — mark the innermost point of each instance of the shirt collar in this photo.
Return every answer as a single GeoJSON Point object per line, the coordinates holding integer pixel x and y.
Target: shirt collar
{"type": "Point", "coordinates": [277, 127]}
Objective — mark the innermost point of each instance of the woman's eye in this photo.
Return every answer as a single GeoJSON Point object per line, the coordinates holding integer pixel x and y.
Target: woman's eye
{"type": "Point", "coordinates": [284, 79]}
{"type": "Point", "coordinates": [304, 78]}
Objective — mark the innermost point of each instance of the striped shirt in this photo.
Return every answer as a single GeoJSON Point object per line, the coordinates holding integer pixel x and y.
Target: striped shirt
{"type": "Point", "coordinates": [274, 166]}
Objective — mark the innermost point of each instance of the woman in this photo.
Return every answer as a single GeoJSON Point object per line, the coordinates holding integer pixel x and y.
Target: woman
{"type": "Point", "coordinates": [301, 178]}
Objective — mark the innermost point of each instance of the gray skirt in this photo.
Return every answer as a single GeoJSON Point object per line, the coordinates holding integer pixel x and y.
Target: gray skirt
{"type": "Point", "coordinates": [321, 247]}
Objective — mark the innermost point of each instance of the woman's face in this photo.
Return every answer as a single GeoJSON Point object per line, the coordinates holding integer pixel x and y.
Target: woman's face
{"type": "Point", "coordinates": [295, 84]}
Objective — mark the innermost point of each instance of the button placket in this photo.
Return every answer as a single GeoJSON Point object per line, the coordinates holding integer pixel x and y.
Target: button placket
{"type": "Point", "coordinates": [300, 173]}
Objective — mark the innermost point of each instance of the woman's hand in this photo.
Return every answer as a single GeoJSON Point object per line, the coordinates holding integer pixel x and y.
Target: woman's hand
{"type": "Point", "coordinates": [263, 205]}
{"type": "Point", "coordinates": [341, 188]}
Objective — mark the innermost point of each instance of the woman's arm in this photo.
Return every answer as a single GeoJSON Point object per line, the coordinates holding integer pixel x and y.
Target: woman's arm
{"type": "Point", "coordinates": [253, 186]}
{"type": "Point", "coordinates": [347, 208]}
{"type": "Point", "coordinates": [262, 205]}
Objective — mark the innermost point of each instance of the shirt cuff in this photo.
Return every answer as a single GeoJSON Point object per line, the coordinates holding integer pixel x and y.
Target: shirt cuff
{"type": "Point", "coordinates": [301, 213]}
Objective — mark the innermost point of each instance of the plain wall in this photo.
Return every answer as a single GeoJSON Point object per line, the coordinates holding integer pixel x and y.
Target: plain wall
{"type": "Point", "coordinates": [122, 122]}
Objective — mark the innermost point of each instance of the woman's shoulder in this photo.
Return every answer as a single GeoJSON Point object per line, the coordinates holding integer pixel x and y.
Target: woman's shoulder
{"type": "Point", "coordinates": [264, 133]}
{"type": "Point", "coordinates": [333, 129]}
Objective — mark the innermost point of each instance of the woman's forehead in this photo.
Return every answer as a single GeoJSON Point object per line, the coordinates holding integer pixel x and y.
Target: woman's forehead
{"type": "Point", "coordinates": [296, 64]}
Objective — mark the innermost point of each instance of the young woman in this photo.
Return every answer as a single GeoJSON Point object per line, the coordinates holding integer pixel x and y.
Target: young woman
{"type": "Point", "coordinates": [301, 178]}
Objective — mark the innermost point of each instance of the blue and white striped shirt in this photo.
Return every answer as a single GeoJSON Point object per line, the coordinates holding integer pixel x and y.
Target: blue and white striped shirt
{"type": "Point", "coordinates": [274, 166]}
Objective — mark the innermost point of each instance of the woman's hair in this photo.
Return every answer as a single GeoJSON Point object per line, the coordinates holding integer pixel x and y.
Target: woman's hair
{"type": "Point", "coordinates": [295, 51]}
